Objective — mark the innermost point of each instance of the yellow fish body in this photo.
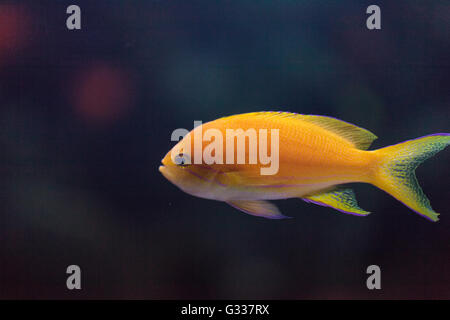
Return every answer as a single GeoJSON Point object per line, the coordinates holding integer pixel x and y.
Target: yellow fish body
{"type": "Point", "coordinates": [316, 154]}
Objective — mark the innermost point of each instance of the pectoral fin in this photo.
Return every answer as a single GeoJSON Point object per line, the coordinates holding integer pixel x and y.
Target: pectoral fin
{"type": "Point", "coordinates": [258, 208]}
{"type": "Point", "coordinates": [340, 199]}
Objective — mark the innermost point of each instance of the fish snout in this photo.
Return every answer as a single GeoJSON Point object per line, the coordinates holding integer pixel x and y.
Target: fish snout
{"type": "Point", "coordinates": [162, 166]}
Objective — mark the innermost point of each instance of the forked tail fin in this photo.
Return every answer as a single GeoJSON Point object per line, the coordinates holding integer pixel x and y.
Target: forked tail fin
{"type": "Point", "coordinates": [395, 173]}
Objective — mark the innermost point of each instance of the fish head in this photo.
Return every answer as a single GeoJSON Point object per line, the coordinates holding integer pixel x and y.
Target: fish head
{"type": "Point", "coordinates": [179, 168]}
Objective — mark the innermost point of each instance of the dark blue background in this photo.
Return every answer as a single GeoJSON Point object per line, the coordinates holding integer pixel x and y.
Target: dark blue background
{"type": "Point", "coordinates": [86, 116]}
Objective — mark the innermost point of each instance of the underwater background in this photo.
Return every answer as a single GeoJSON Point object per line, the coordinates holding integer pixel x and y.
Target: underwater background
{"type": "Point", "coordinates": [86, 117]}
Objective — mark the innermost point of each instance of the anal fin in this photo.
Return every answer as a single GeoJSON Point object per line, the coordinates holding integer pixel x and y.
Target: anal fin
{"type": "Point", "coordinates": [340, 199]}
{"type": "Point", "coordinates": [258, 208]}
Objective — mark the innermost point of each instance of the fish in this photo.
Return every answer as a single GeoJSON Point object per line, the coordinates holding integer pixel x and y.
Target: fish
{"type": "Point", "coordinates": [318, 156]}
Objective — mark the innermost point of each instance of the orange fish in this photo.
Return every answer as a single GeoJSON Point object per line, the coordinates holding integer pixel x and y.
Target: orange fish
{"type": "Point", "coordinates": [316, 155]}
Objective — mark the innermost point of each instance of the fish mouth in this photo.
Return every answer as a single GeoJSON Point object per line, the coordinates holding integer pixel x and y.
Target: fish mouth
{"type": "Point", "coordinates": [167, 172]}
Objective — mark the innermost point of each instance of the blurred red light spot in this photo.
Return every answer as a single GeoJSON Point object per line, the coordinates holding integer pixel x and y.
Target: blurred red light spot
{"type": "Point", "coordinates": [13, 29]}
{"type": "Point", "coordinates": [102, 94]}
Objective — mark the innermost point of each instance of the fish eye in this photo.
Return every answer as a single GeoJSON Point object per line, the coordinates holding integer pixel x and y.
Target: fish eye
{"type": "Point", "coordinates": [182, 160]}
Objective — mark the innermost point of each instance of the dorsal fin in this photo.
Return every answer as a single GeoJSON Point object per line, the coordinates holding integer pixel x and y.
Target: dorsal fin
{"type": "Point", "coordinates": [359, 137]}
